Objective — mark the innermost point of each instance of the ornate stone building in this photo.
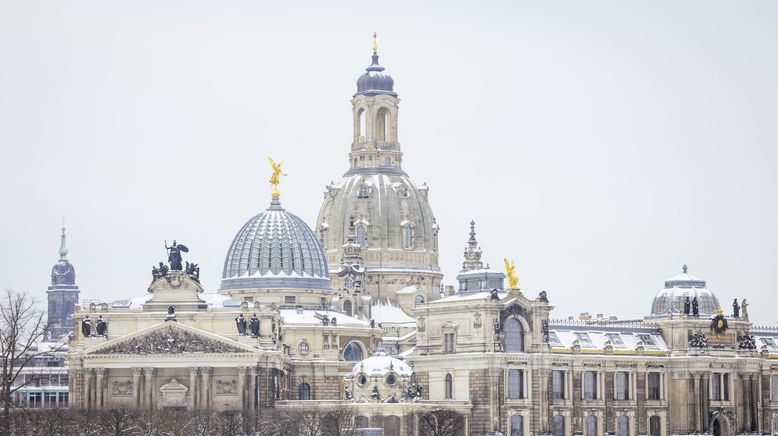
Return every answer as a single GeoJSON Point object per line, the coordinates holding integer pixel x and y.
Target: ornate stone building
{"type": "Point", "coordinates": [63, 292]}
{"type": "Point", "coordinates": [350, 313]}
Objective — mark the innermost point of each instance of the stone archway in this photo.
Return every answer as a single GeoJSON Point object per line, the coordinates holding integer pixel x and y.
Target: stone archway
{"type": "Point", "coordinates": [719, 426]}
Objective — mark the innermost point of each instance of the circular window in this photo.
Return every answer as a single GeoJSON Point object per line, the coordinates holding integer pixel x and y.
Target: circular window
{"type": "Point", "coordinates": [362, 380]}
{"type": "Point", "coordinates": [391, 380]}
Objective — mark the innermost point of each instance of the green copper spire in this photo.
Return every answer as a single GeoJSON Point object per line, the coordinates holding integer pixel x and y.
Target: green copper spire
{"type": "Point", "coordinates": [63, 248]}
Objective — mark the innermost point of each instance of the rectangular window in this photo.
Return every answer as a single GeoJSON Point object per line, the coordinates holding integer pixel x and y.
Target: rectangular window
{"type": "Point", "coordinates": [553, 340]}
{"type": "Point", "coordinates": [557, 385]}
{"type": "Point", "coordinates": [590, 385]}
{"type": "Point", "coordinates": [515, 384]}
{"type": "Point", "coordinates": [769, 342]}
{"type": "Point", "coordinates": [715, 386]}
{"type": "Point", "coordinates": [584, 340]}
{"type": "Point", "coordinates": [622, 385]}
{"type": "Point", "coordinates": [648, 341]}
{"type": "Point", "coordinates": [289, 299]}
{"type": "Point", "coordinates": [653, 386]}
{"type": "Point", "coordinates": [725, 386]}
{"type": "Point", "coordinates": [616, 340]}
{"type": "Point", "coordinates": [448, 343]}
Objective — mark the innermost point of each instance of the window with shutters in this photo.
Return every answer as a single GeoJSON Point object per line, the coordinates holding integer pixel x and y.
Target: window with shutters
{"type": "Point", "coordinates": [515, 384]}
{"type": "Point", "coordinates": [590, 385]}
{"type": "Point", "coordinates": [557, 385]}
{"type": "Point", "coordinates": [622, 385]}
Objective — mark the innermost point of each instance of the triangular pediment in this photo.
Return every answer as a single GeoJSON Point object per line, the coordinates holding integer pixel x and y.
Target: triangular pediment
{"type": "Point", "coordinates": [170, 338]}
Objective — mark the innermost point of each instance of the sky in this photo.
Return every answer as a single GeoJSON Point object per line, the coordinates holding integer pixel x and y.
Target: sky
{"type": "Point", "coordinates": [600, 144]}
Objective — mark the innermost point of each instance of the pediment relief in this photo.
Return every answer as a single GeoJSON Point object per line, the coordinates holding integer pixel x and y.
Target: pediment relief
{"type": "Point", "coordinates": [170, 338]}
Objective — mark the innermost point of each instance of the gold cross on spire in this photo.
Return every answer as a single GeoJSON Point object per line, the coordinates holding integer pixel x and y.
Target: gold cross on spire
{"type": "Point", "coordinates": [375, 43]}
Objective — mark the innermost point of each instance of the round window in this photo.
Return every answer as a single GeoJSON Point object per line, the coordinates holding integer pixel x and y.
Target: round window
{"type": "Point", "coordinates": [362, 380]}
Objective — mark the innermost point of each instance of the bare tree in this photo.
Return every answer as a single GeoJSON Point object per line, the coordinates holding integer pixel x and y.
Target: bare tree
{"type": "Point", "coordinates": [340, 422]}
{"type": "Point", "coordinates": [117, 422]}
{"type": "Point", "coordinates": [229, 423]}
{"type": "Point", "coordinates": [176, 422]}
{"type": "Point", "coordinates": [441, 422]}
{"type": "Point", "coordinates": [22, 326]}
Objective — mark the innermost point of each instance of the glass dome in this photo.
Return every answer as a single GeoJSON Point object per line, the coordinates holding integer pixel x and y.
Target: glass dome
{"type": "Point", "coordinates": [670, 300]}
{"type": "Point", "coordinates": [275, 249]}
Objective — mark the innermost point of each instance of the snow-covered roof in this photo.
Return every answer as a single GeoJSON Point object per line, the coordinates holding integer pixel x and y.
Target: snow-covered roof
{"type": "Point", "coordinates": [382, 365]}
{"type": "Point", "coordinates": [386, 312]}
{"type": "Point", "coordinates": [213, 300]}
{"type": "Point", "coordinates": [594, 337]}
{"type": "Point", "coordinates": [292, 316]}
{"type": "Point", "coordinates": [471, 296]}
{"type": "Point", "coordinates": [412, 289]}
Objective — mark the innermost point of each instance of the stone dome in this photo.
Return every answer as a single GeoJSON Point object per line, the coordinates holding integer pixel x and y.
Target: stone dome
{"type": "Point", "coordinates": [375, 81]}
{"type": "Point", "coordinates": [670, 300]}
{"type": "Point", "coordinates": [275, 249]}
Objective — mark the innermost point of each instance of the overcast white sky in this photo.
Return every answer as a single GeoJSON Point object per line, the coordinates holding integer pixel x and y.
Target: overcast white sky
{"type": "Point", "coordinates": [600, 144]}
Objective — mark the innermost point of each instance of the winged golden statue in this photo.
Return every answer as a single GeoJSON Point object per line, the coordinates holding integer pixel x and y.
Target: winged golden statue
{"type": "Point", "coordinates": [510, 271]}
{"type": "Point", "coordinates": [275, 178]}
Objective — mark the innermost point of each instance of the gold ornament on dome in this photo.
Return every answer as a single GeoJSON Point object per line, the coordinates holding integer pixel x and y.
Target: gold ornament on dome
{"type": "Point", "coordinates": [275, 178]}
{"type": "Point", "coordinates": [510, 271]}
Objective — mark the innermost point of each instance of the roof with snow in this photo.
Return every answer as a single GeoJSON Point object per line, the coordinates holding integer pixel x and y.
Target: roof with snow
{"type": "Point", "coordinates": [386, 312]}
{"type": "Point", "coordinates": [381, 365]}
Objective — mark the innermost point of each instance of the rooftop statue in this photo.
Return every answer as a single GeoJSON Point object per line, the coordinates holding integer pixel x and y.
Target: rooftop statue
{"type": "Point", "coordinates": [275, 178]}
{"type": "Point", "coordinates": [174, 255]}
{"type": "Point", "coordinates": [510, 271]}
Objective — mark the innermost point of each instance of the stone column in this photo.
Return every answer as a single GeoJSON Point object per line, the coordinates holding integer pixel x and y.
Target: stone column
{"type": "Point", "coordinates": [193, 391]}
{"type": "Point", "coordinates": [253, 376]}
{"type": "Point", "coordinates": [242, 394]}
{"type": "Point", "coordinates": [151, 381]}
{"type": "Point", "coordinates": [696, 401]}
{"type": "Point", "coordinates": [206, 372]}
{"type": "Point", "coordinates": [136, 387]}
{"type": "Point", "coordinates": [87, 400]}
{"type": "Point", "coordinates": [100, 387]}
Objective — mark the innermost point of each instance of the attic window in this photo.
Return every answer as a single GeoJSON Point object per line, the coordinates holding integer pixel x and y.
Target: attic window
{"type": "Point", "coordinates": [616, 340]}
{"type": "Point", "coordinates": [585, 340]}
{"type": "Point", "coordinates": [648, 341]}
{"type": "Point", "coordinates": [553, 340]}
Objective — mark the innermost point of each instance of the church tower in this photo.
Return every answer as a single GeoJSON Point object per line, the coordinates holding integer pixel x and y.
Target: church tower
{"type": "Point", "coordinates": [375, 199]}
{"type": "Point", "coordinates": [63, 293]}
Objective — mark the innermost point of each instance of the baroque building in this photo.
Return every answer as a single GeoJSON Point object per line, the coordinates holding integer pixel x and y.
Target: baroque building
{"type": "Point", "coordinates": [349, 313]}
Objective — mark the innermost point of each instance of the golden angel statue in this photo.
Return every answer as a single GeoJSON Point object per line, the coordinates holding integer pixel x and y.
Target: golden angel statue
{"type": "Point", "coordinates": [510, 271]}
{"type": "Point", "coordinates": [275, 178]}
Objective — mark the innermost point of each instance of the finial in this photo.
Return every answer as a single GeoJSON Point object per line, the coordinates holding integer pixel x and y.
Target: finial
{"type": "Point", "coordinates": [275, 178]}
{"type": "Point", "coordinates": [510, 271]}
{"type": "Point", "coordinates": [375, 43]}
{"type": "Point", "coordinates": [685, 268]}
{"type": "Point", "coordinates": [63, 249]}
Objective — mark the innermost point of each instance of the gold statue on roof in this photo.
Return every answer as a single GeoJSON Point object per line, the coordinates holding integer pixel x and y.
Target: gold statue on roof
{"type": "Point", "coordinates": [510, 271]}
{"type": "Point", "coordinates": [275, 178]}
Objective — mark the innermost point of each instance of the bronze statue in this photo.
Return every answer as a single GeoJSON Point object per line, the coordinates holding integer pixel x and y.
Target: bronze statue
{"type": "Point", "coordinates": [687, 305]}
{"type": "Point", "coordinates": [174, 255]}
{"type": "Point", "coordinates": [240, 321]}
{"type": "Point", "coordinates": [102, 327]}
{"type": "Point", "coordinates": [348, 394]}
{"type": "Point", "coordinates": [86, 327]}
{"type": "Point", "coordinates": [193, 271]}
{"type": "Point", "coordinates": [171, 313]}
{"type": "Point", "coordinates": [695, 307]}
{"type": "Point", "coordinates": [254, 326]}
{"type": "Point", "coordinates": [375, 395]}
{"type": "Point", "coordinates": [735, 309]}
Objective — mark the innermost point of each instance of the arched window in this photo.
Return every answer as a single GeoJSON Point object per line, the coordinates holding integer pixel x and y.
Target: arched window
{"type": "Point", "coordinates": [361, 125]}
{"type": "Point", "coordinates": [655, 426]}
{"type": "Point", "coordinates": [514, 336]}
{"type": "Point", "coordinates": [622, 429]}
{"type": "Point", "coordinates": [559, 425]}
{"type": "Point", "coordinates": [353, 352]}
{"type": "Point", "coordinates": [348, 308]}
{"type": "Point", "coordinates": [449, 387]}
{"type": "Point", "coordinates": [361, 235]}
{"type": "Point", "coordinates": [408, 241]}
{"type": "Point", "coordinates": [591, 425]}
{"type": "Point", "coordinates": [419, 299]}
{"type": "Point", "coordinates": [304, 391]}
{"type": "Point", "coordinates": [303, 347]}
{"type": "Point", "coordinates": [382, 124]}
{"type": "Point", "coordinates": [387, 161]}
{"type": "Point", "coordinates": [391, 379]}
{"type": "Point", "coordinates": [517, 425]}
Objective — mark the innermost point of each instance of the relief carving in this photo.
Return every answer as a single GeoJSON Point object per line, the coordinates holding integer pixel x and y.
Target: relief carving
{"type": "Point", "coordinates": [170, 341]}
{"type": "Point", "coordinates": [226, 387]}
{"type": "Point", "coordinates": [122, 388]}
